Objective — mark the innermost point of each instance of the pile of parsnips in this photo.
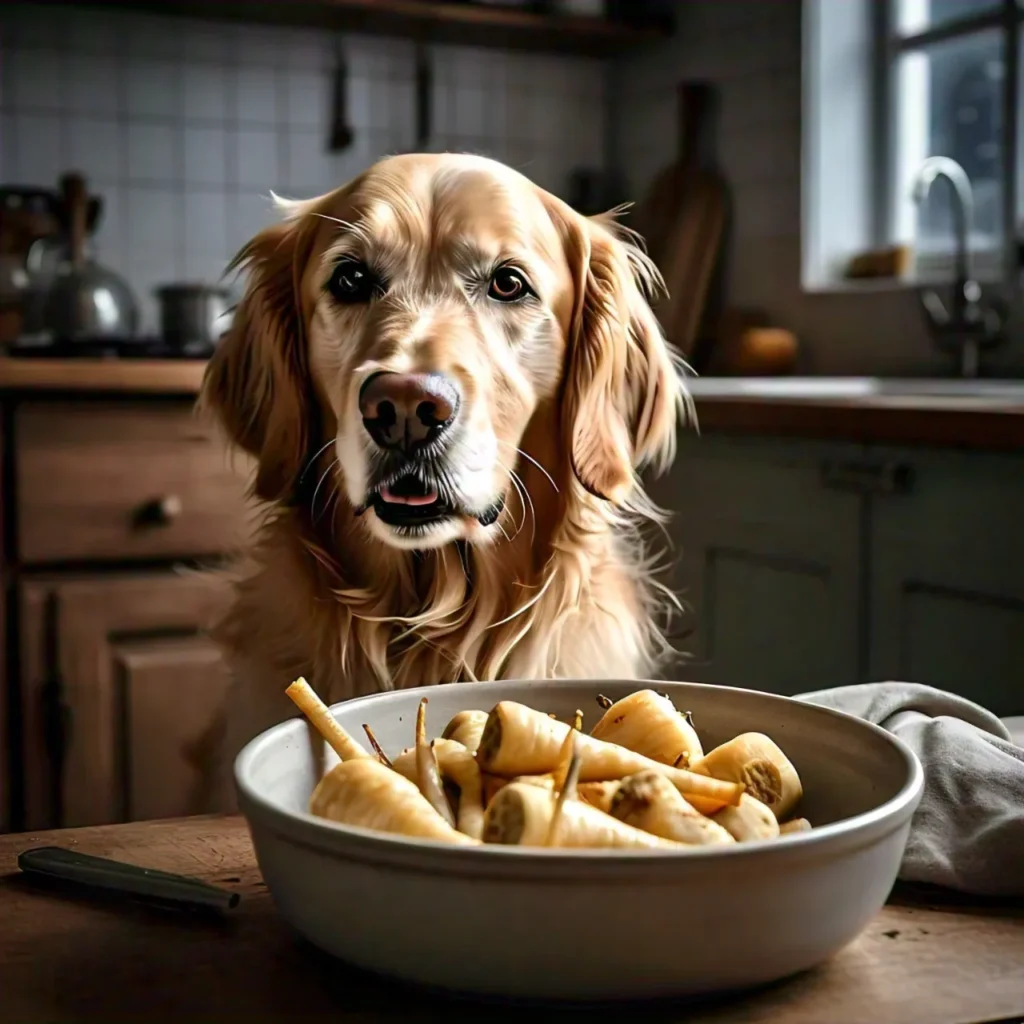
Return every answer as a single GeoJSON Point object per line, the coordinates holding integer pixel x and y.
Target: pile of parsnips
{"type": "Point", "coordinates": [516, 776]}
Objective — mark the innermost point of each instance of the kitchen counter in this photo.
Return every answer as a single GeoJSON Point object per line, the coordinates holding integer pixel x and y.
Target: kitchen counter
{"type": "Point", "coordinates": [981, 415]}
{"type": "Point", "coordinates": [134, 376]}
{"type": "Point", "coordinates": [937, 959]}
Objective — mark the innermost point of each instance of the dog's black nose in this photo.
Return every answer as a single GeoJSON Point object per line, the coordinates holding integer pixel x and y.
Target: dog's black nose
{"type": "Point", "coordinates": [408, 410]}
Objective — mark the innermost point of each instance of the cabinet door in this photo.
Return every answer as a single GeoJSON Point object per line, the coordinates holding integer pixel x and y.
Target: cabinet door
{"type": "Point", "coordinates": [8, 768]}
{"type": "Point", "coordinates": [767, 563]}
{"type": "Point", "coordinates": [172, 694]}
{"type": "Point", "coordinates": [947, 576]}
{"type": "Point", "coordinates": [8, 772]}
{"type": "Point", "coordinates": [122, 697]}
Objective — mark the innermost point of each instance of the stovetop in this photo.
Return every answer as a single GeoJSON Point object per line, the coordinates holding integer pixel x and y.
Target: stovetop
{"type": "Point", "coordinates": [112, 348]}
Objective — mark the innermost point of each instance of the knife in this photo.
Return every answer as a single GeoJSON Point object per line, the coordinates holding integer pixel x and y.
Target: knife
{"type": "Point", "coordinates": [100, 874]}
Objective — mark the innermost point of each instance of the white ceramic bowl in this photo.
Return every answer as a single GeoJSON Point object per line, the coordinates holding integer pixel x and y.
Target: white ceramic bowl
{"type": "Point", "coordinates": [582, 924]}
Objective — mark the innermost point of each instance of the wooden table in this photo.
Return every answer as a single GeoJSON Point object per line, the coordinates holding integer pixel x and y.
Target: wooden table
{"type": "Point", "coordinates": [74, 959]}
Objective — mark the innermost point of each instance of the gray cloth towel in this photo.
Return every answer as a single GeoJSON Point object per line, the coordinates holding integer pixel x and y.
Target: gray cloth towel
{"type": "Point", "coordinates": [968, 831]}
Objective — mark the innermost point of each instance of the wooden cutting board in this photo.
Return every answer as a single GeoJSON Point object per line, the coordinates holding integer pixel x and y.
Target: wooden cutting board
{"type": "Point", "coordinates": [683, 219]}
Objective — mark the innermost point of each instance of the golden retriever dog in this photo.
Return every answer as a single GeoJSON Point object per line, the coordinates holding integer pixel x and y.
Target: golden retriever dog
{"type": "Point", "coordinates": [449, 382]}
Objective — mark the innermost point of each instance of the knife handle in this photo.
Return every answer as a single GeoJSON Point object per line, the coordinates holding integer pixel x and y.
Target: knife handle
{"type": "Point", "coordinates": [101, 874]}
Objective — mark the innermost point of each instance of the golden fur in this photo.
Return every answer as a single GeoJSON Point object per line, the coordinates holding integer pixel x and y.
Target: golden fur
{"type": "Point", "coordinates": [575, 393]}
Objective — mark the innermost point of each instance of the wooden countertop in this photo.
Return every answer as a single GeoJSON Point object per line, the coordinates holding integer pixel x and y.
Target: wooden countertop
{"type": "Point", "coordinates": [980, 423]}
{"type": "Point", "coordinates": [132, 376]}
{"type": "Point", "coordinates": [64, 958]}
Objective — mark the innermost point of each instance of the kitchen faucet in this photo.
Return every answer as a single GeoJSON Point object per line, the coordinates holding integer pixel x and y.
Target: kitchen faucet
{"type": "Point", "coordinates": [968, 324]}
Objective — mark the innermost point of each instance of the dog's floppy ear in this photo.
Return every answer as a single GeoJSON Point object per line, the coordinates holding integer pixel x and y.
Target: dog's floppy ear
{"type": "Point", "coordinates": [623, 391]}
{"type": "Point", "coordinates": [257, 383]}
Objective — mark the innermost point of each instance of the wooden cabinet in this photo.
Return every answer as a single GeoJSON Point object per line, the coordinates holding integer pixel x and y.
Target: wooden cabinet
{"type": "Point", "coordinates": [767, 563]}
{"type": "Point", "coordinates": [6, 755]}
{"type": "Point", "coordinates": [6, 736]}
{"type": "Point", "coordinates": [946, 567]}
{"type": "Point", "coordinates": [123, 481]}
{"type": "Point", "coordinates": [110, 502]}
{"type": "Point", "coordinates": [808, 566]}
{"type": "Point", "coordinates": [122, 697]}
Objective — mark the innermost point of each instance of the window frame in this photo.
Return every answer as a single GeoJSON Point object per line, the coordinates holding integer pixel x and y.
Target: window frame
{"type": "Point", "coordinates": [1006, 16]}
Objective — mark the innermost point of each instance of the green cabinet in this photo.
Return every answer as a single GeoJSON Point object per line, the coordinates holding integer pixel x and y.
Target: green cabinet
{"type": "Point", "coordinates": [805, 565]}
{"type": "Point", "coordinates": [767, 563]}
{"type": "Point", "coordinates": [946, 577]}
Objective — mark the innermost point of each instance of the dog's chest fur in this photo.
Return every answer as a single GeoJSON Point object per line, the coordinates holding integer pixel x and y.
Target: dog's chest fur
{"type": "Point", "coordinates": [438, 625]}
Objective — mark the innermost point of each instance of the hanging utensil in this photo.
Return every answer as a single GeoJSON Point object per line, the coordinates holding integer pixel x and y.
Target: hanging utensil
{"type": "Point", "coordinates": [341, 133]}
{"type": "Point", "coordinates": [424, 87]}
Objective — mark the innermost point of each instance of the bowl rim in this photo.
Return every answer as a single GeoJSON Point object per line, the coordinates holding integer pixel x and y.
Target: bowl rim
{"type": "Point", "coordinates": [367, 844]}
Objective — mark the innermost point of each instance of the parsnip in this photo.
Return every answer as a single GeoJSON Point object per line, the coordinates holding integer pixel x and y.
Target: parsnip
{"type": "Point", "coordinates": [466, 728]}
{"type": "Point", "coordinates": [459, 766]}
{"type": "Point", "coordinates": [598, 794]}
{"type": "Point", "coordinates": [428, 774]}
{"type": "Point", "coordinates": [365, 793]}
{"type": "Point", "coordinates": [567, 785]}
{"type": "Point", "coordinates": [492, 785]}
{"type": "Point", "coordinates": [794, 825]}
{"type": "Point", "coordinates": [546, 781]}
{"type": "Point", "coordinates": [520, 815]}
{"type": "Point", "coordinates": [306, 700]}
{"type": "Point", "coordinates": [568, 753]}
{"type": "Point", "coordinates": [650, 802]}
{"type": "Point", "coordinates": [520, 741]}
{"type": "Point", "coordinates": [749, 820]}
{"type": "Point", "coordinates": [756, 761]}
{"type": "Point", "coordinates": [649, 724]}
{"type": "Point", "coordinates": [377, 748]}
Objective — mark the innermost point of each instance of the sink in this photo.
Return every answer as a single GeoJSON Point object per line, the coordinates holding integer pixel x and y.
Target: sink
{"type": "Point", "coordinates": [856, 387]}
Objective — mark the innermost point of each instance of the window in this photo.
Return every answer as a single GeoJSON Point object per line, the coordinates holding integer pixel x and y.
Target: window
{"type": "Point", "coordinates": [944, 77]}
{"type": "Point", "coordinates": [890, 83]}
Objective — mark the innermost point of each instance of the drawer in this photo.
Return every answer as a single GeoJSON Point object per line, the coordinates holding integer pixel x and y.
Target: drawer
{"type": "Point", "coordinates": [128, 481]}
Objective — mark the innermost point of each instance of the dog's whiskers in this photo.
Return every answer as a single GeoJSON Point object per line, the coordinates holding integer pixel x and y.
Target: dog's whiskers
{"type": "Point", "coordinates": [313, 458]}
{"type": "Point", "coordinates": [522, 501]}
{"type": "Point", "coordinates": [530, 459]}
{"type": "Point", "coordinates": [524, 493]}
{"type": "Point", "coordinates": [323, 476]}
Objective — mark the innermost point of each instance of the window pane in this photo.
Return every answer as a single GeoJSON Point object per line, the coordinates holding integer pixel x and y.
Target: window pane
{"type": "Point", "coordinates": [949, 103]}
{"type": "Point", "coordinates": [913, 16]}
{"type": "Point", "coordinates": [1020, 144]}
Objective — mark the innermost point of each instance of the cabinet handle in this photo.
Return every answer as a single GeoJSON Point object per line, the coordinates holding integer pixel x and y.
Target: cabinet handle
{"type": "Point", "coordinates": [159, 511]}
{"type": "Point", "coordinates": [868, 477]}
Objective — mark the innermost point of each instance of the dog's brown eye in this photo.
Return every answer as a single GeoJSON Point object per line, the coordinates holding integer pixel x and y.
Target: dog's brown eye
{"type": "Point", "coordinates": [507, 285]}
{"type": "Point", "coordinates": [353, 281]}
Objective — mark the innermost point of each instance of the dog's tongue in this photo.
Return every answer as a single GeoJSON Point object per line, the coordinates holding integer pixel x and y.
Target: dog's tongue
{"type": "Point", "coordinates": [388, 495]}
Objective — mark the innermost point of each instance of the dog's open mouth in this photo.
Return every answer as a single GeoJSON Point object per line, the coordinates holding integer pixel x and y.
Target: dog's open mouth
{"type": "Point", "coordinates": [410, 501]}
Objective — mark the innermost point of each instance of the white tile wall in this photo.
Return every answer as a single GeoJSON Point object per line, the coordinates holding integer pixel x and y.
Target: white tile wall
{"type": "Point", "coordinates": [751, 50]}
{"type": "Point", "coordinates": [184, 126]}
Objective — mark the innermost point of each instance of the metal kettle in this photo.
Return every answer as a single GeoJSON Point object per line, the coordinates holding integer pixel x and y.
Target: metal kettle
{"type": "Point", "coordinates": [83, 300]}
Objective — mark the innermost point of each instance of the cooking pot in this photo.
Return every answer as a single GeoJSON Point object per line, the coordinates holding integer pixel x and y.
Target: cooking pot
{"type": "Point", "coordinates": [193, 315]}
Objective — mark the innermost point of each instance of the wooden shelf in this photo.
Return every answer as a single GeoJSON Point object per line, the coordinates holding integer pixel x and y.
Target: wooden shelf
{"type": "Point", "coordinates": [459, 23]}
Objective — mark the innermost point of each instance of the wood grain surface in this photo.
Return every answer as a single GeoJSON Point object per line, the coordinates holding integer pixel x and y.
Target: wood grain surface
{"type": "Point", "coordinates": [923, 960]}
{"type": "Point", "coordinates": [141, 376]}
{"type": "Point", "coordinates": [981, 424]}
{"type": "Point", "coordinates": [93, 479]}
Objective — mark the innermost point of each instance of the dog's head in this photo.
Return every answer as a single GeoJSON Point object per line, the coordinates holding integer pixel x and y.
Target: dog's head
{"type": "Point", "coordinates": [420, 319]}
